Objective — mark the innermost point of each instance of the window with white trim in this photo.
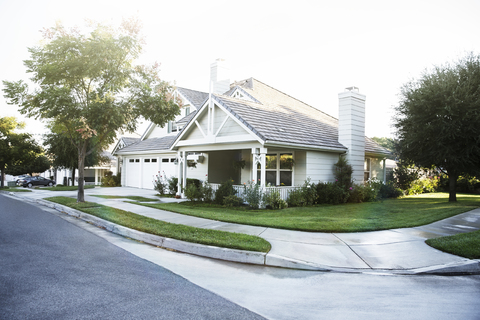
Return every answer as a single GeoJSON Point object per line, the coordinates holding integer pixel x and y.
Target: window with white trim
{"type": "Point", "coordinates": [278, 169]}
{"type": "Point", "coordinates": [367, 169]}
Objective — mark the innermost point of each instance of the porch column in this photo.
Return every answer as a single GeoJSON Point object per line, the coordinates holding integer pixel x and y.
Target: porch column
{"type": "Point", "coordinates": [96, 176]}
{"type": "Point", "coordinates": [263, 173]}
{"type": "Point", "coordinates": [384, 171]}
{"type": "Point", "coordinates": [179, 172]}
{"type": "Point", "coordinates": [184, 176]}
{"type": "Point", "coordinates": [259, 157]}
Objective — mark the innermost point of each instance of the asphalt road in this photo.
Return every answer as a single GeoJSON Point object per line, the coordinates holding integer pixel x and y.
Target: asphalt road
{"type": "Point", "coordinates": [53, 269]}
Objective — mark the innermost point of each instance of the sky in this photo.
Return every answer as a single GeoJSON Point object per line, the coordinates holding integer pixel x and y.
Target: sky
{"type": "Point", "coordinates": [311, 50]}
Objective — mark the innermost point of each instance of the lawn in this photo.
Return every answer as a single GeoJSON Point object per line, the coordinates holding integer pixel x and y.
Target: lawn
{"type": "Point", "coordinates": [464, 244]}
{"type": "Point", "coordinates": [169, 230]}
{"type": "Point", "coordinates": [67, 188]}
{"type": "Point", "coordinates": [407, 212]}
{"type": "Point", "coordinates": [134, 198]}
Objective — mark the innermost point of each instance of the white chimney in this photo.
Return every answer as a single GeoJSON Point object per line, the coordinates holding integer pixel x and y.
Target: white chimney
{"type": "Point", "coordinates": [220, 76]}
{"type": "Point", "coordinates": [351, 129]}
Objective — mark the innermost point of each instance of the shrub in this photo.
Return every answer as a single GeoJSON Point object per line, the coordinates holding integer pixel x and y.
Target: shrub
{"type": "Point", "coordinates": [226, 189]}
{"type": "Point", "coordinates": [405, 175]}
{"type": "Point", "coordinates": [193, 193]}
{"type": "Point", "coordinates": [172, 185]}
{"type": "Point", "coordinates": [110, 180]}
{"type": "Point", "coordinates": [343, 173]}
{"type": "Point", "coordinates": [253, 195]}
{"type": "Point", "coordinates": [389, 190]}
{"type": "Point", "coordinates": [304, 196]}
{"type": "Point", "coordinates": [331, 193]}
{"type": "Point", "coordinates": [207, 192]}
{"type": "Point", "coordinates": [232, 201]}
{"type": "Point", "coordinates": [160, 185]}
{"type": "Point", "coordinates": [273, 200]}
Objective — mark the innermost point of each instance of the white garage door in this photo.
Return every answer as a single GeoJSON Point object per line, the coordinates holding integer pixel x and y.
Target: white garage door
{"type": "Point", "coordinates": [149, 172]}
{"type": "Point", "coordinates": [133, 178]}
{"type": "Point", "coordinates": [168, 167]}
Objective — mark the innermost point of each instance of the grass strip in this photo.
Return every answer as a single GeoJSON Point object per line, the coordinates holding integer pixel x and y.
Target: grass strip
{"type": "Point", "coordinates": [134, 198]}
{"type": "Point", "coordinates": [466, 245]}
{"type": "Point", "coordinates": [67, 188]}
{"type": "Point", "coordinates": [170, 230]}
{"type": "Point", "coordinates": [411, 211]}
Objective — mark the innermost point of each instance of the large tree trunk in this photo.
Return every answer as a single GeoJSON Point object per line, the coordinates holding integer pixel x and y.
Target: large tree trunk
{"type": "Point", "coordinates": [452, 187]}
{"type": "Point", "coordinates": [82, 150]}
{"type": "Point", "coordinates": [73, 176]}
{"type": "Point", "coordinates": [2, 176]}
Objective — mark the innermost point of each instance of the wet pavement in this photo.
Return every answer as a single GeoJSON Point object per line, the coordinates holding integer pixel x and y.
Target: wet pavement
{"type": "Point", "coordinates": [398, 250]}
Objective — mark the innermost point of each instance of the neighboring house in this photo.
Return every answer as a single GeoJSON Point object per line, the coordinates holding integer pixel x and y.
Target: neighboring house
{"type": "Point", "coordinates": [249, 131]}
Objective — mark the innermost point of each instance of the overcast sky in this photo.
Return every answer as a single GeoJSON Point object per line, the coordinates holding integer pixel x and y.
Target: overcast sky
{"type": "Point", "coordinates": [310, 50]}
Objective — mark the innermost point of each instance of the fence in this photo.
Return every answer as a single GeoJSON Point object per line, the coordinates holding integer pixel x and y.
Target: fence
{"type": "Point", "coordinates": [284, 191]}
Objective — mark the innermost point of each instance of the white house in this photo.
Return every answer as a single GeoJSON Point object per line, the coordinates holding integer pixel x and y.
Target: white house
{"type": "Point", "coordinates": [246, 131]}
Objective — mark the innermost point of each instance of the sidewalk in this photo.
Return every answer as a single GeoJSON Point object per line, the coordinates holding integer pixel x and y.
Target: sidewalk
{"type": "Point", "coordinates": [399, 251]}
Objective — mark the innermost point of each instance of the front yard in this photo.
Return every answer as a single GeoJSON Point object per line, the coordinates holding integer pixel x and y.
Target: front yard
{"type": "Point", "coordinates": [407, 212]}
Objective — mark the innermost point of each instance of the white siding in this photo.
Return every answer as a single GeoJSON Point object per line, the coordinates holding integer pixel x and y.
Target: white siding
{"type": "Point", "coordinates": [300, 168]}
{"type": "Point", "coordinates": [319, 166]}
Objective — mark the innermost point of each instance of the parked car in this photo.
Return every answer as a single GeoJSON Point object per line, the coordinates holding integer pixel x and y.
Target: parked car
{"type": "Point", "coordinates": [20, 179]}
{"type": "Point", "coordinates": [37, 181]}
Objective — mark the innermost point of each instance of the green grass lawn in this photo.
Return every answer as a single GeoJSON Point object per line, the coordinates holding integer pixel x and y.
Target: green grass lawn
{"type": "Point", "coordinates": [134, 198]}
{"type": "Point", "coordinates": [67, 188]}
{"type": "Point", "coordinates": [170, 230]}
{"type": "Point", "coordinates": [410, 211]}
{"type": "Point", "coordinates": [466, 245]}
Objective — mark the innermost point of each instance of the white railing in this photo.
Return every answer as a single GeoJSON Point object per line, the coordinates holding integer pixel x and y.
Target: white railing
{"type": "Point", "coordinates": [284, 191]}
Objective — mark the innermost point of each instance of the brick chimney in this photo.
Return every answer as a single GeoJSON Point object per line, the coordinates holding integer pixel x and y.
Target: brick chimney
{"type": "Point", "coordinates": [220, 76]}
{"type": "Point", "coordinates": [351, 129]}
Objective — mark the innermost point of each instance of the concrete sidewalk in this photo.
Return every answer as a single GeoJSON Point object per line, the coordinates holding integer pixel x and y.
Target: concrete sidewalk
{"type": "Point", "coordinates": [400, 251]}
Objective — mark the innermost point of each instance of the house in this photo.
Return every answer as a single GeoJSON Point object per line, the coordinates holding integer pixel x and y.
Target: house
{"type": "Point", "coordinates": [249, 131]}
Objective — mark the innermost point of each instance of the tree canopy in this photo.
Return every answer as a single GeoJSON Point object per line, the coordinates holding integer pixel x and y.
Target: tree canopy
{"type": "Point", "coordinates": [438, 119]}
{"type": "Point", "coordinates": [16, 149]}
{"type": "Point", "coordinates": [87, 86]}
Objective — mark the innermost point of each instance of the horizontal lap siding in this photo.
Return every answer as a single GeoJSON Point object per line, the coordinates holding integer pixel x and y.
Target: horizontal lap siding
{"type": "Point", "coordinates": [319, 166]}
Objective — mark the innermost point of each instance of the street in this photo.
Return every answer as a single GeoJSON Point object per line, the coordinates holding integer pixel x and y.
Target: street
{"type": "Point", "coordinates": [52, 269]}
{"type": "Point", "coordinates": [55, 266]}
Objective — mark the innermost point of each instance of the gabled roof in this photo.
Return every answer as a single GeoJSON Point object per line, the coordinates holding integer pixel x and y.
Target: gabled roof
{"type": "Point", "coordinates": [197, 98]}
{"type": "Point", "coordinates": [152, 144]}
{"type": "Point", "coordinates": [297, 124]}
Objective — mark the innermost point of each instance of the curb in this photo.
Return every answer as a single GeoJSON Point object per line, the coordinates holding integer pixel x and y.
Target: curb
{"type": "Point", "coordinates": [469, 267]}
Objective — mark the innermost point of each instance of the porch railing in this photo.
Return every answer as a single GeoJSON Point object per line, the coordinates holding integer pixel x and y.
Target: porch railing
{"type": "Point", "coordinates": [284, 191]}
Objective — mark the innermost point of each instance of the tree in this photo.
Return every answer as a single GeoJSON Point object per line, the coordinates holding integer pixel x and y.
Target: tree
{"type": "Point", "coordinates": [39, 164]}
{"type": "Point", "coordinates": [438, 119]}
{"type": "Point", "coordinates": [64, 153]}
{"type": "Point", "coordinates": [16, 149]}
{"type": "Point", "coordinates": [89, 88]}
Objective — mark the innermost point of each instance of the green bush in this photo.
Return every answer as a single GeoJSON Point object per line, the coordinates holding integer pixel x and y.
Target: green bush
{"type": "Point", "coordinates": [207, 192]}
{"type": "Point", "coordinates": [226, 189]}
{"type": "Point", "coordinates": [253, 195]}
{"type": "Point", "coordinates": [273, 200]}
{"type": "Point", "coordinates": [343, 173]}
{"type": "Point", "coordinates": [389, 190]}
{"type": "Point", "coordinates": [110, 180]}
{"type": "Point", "coordinates": [405, 175]}
{"type": "Point", "coordinates": [468, 184]}
{"type": "Point", "coordinates": [160, 185]}
{"type": "Point", "coordinates": [304, 196]}
{"type": "Point", "coordinates": [331, 193]}
{"type": "Point", "coordinates": [193, 193]}
{"type": "Point", "coordinates": [172, 185]}
{"type": "Point", "coordinates": [232, 201]}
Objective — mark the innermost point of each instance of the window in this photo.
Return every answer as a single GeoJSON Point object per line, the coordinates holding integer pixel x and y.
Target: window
{"type": "Point", "coordinates": [173, 159]}
{"type": "Point", "coordinates": [154, 160]}
{"type": "Point", "coordinates": [278, 169]}
{"type": "Point", "coordinates": [187, 111]}
{"type": "Point", "coordinates": [137, 160]}
{"type": "Point", "coordinates": [164, 159]}
{"type": "Point", "coordinates": [131, 160]}
{"type": "Point", "coordinates": [366, 168]}
{"type": "Point", "coordinates": [146, 160]}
